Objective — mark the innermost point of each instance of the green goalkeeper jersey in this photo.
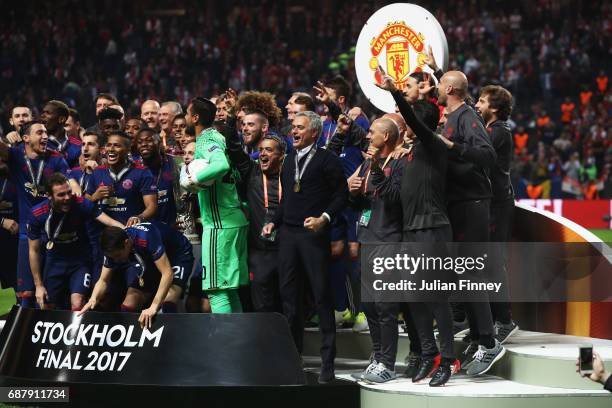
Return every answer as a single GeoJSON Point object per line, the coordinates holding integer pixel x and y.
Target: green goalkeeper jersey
{"type": "Point", "coordinates": [219, 204]}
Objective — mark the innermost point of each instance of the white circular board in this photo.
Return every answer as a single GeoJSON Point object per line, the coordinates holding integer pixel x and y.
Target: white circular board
{"type": "Point", "coordinates": [397, 37]}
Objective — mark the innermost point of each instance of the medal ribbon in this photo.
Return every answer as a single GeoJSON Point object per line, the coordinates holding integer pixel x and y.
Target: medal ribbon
{"type": "Point", "coordinates": [265, 189]}
{"type": "Point", "coordinates": [365, 185]}
{"type": "Point", "coordinates": [298, 172]}
{"type": "Point", "coordinates": [58, 229]}
{"type": "Point", "coordinates": [41, 165]}
{"type": "Point", "coordinates": [60, 146]}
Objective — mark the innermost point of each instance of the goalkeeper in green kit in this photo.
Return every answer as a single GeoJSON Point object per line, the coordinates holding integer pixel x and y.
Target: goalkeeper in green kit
{"type": "Point", "coordinates": [224, 238]}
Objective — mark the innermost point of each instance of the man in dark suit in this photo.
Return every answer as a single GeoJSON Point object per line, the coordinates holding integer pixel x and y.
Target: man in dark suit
{"type": "Point", "coordinates": [314, 191]}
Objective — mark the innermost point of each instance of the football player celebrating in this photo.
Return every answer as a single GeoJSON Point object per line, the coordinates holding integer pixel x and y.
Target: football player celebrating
{"type": "Point", "coordinates": [165, 173]}
{"type": "Point", "coordinates": [126, 190]}
{"type": "Point", "coordinates": [145, 255]}
{"type": "Point", "coordinates": [61, 223]}
{"type": "Point", "coordinates": [29, 166]}
{"type": "Point", "coordinates": [54, 116]}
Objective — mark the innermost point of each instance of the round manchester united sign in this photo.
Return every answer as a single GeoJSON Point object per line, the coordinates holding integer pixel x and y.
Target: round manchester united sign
{"type": "Point", "coordinates": [397, 38]}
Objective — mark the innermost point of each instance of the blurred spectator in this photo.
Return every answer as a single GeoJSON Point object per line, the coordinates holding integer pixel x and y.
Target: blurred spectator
{"type": "Point", "coordinates": [542, 51]}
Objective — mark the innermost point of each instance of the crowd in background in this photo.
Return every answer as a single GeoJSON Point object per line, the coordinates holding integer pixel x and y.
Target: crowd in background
{"type": "Point", "coordinates": [551, 54]}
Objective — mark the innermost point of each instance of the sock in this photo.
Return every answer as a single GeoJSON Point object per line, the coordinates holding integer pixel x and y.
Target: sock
{"type": "Point", "coordinates": [337, 269]}
{"type": "Point", "coordinates": [127, 309]}
{"type": "Point", "coordinates": [169, 307]}
{"type": "Point", "coordinates": [225, 301]}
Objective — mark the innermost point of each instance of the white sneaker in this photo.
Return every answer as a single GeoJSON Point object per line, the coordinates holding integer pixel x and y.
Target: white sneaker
{"type": "Point", "coordinates": [380, 374]}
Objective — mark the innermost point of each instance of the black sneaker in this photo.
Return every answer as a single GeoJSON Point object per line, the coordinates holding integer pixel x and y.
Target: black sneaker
{"type": "Point", "coordinates": [504, 331]}
{"type": "Point", "coordinates": [428, 366]}
{"type": "Point", "coordinates": [468, 354]}
{"type": "Point", "coordinates": [413, 364]}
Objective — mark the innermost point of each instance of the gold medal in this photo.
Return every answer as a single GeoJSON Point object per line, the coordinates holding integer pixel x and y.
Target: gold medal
{"type": "Point", "coordinates": [35, 192]}
{"type": "Point", "coordinates": [112, 201]}
{"type": "Point", "coordinates": [296, 187]}
{"type": "Point", "coordinates": [141, 281]}
{"type": "Point", "coordinates": [50, 245]}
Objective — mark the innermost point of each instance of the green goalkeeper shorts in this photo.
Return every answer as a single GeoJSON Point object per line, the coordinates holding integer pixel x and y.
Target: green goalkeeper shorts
{"type": "Point", "coordinates": [224, 258]}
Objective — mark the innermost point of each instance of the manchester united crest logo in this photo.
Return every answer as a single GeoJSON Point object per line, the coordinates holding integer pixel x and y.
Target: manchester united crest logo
{"type": "Point", "coordinates": [392, 49]}
{"type": "Point", "coordinates": [397, 38]}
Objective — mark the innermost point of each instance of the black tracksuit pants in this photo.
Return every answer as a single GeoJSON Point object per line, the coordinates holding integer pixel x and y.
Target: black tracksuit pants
{"type": "Point", "coordinates": [303, 253]}
{"type": "Point", "coordinates": [470, 223]}
{"type": "Point", "coordinates": [263, 266]}
{"type": "Point", "coordinates": [382, 320]}
{"type": "Point", "coordinates": [501, 231]}
{"type": "Point", "coordinates": [423, 313]}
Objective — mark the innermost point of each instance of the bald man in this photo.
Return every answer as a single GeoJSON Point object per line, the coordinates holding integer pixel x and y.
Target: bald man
{"type": "Point", "coordinates": [374, 188]}
{"type": "Point", "coordinates": [469, 193]}
{"type": "Point", "coordinates": [401, 126]}
{"type": "Point", "coordinates": [149, 112]}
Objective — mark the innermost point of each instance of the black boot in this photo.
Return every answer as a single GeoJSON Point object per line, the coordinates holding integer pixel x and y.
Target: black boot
{"type": "Point", "coordinates": [428, 366]}
{"type": "Point", "coordinates": [441, 376]}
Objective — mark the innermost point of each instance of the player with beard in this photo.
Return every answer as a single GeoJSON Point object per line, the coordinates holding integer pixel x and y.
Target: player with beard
{"type": "Point", "coordinates": [54, 116]}
{"type": "Point", "coordinates": [152, 258]}
{"type": "Point", "coordinates": [80, 177]}
{"type": "Point", "coordinates": [29, 167]}
{"type": "Point", "coordinates": [225, 227]}
{"type": "Point", "coordinates": [471, 156]}
{"type": "Point", "coordinates": [495, 106]}
{"type": "Point", "coordinates": [19, 116]}
{"type": "Point", "coordinates": [165, 173]}
{"type": "Point", "coordinates": [254, 127]}
{"type": "Point", "coordinates": [60, 225]}
{"type": "Point", "coordinates": [126, 190]}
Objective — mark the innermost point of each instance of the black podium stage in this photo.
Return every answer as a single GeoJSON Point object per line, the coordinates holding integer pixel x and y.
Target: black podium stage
{"type": "Point", "coordinates": [184, 360]}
